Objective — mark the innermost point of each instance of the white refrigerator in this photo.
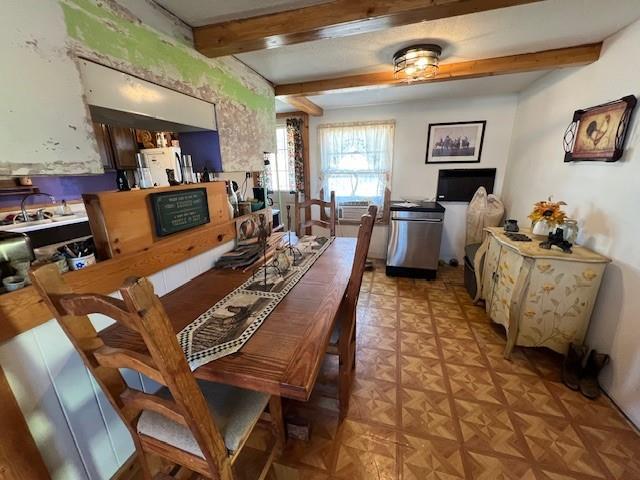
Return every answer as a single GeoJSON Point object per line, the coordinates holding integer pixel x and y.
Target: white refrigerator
{"type": "Point", "coordinates": [161, 159]}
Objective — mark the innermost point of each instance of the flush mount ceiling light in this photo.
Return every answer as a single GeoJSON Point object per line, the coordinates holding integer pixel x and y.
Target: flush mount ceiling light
{"type": "Point", "coordinates": [417, 62]}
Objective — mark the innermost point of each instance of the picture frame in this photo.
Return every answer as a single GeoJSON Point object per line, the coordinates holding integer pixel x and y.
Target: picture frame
{"type": "Point", "coordinates": [247, 227]}
{"type": "Point", "coordinates": [455, 142]}
{"type": "Point", "coordinates": [598, 133]}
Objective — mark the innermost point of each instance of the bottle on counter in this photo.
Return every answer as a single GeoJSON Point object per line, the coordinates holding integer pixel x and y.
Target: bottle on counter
{"type": "Point", "coordinates": [189, 177]}
{"type": "Point", "coordinates": [122, 182]}
{"type": "Point", "coordinates": [144, 174]}
{"type": "Point", "coordinates": [232, 210]}
{"type": "Point", "coordinates": [233, 200]}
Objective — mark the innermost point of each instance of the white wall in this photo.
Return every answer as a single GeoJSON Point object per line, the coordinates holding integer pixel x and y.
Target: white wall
{"type": "Point", "coordinates": [603, 197]}
{"type": "Point", "coordinates": [74, 426]}
{"type": "Point", "coordinates": [411, 176]}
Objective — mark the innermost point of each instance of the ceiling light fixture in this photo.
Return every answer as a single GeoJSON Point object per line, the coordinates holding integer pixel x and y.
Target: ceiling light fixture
{"type": "Point", "coordinates": [417, 62]}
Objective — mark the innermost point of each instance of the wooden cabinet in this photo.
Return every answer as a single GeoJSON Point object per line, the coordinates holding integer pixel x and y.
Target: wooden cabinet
{"type": "Point", "coordinates": [117, 146]}
{"type": "Point", "coordinates": [104, 145]}
{"type": "Point", "coordinates": [125, 147]}
{"type": "Point", "coordinates": [543, 298]}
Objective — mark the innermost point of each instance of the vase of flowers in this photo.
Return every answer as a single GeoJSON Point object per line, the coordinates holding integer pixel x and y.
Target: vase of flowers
{"type": "Point", "coordinates": [546, 217]}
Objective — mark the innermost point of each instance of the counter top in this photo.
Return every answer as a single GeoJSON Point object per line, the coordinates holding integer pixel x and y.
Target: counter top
{"type": "Point", "coordinates": [532, 249]}
{"type": "Point", "coordinates": [57, 221]}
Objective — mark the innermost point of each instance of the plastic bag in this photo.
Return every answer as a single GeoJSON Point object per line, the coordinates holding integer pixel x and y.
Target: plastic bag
{"type": "Point", "coordinates": [484, 211]}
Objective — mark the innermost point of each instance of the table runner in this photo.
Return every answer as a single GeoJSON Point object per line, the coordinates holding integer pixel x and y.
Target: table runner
{"type": "Point", "coordinates": [226, 326]}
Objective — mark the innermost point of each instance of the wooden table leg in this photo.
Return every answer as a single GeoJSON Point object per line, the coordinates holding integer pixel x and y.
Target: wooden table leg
{"type": "Point", "coordinates": [277, 421]}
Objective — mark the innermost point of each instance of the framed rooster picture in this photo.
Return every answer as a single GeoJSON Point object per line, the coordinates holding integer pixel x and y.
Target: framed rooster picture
{"type": "Point", "coordinates": [598, 133]}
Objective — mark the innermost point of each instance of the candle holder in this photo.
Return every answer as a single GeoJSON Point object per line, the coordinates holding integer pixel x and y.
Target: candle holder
{"type": "Point", "coordinates": [295, 253]}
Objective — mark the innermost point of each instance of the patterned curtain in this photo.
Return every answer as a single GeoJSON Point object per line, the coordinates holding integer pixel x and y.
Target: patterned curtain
{"type": "Point", "coordinates": [294, 149]}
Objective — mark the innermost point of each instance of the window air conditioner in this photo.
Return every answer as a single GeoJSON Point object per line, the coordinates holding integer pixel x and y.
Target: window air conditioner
{"type": "Point", "coordinates": [352, 210]}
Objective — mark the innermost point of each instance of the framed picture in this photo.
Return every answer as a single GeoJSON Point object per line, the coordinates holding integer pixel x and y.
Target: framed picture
{"type": "Point", "coordinates": [598, 133]}
{"type": "Point", "coordinates": [248, 227]}
{"type": "Point", "coordinates": [459, 142]}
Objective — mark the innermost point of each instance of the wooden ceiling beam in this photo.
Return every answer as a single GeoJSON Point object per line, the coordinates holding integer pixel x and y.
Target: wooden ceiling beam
{"type": "Point", "coordinates": [303, 104]}
{"type": "Point", "coordinates": [337, 18]}
{"type": "Point", "coordinates": [526, 62]}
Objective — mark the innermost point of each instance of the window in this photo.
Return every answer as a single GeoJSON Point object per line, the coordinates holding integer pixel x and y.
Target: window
{"type": "Point", "coordinates": [281, 177]}
{"type": "Point", "coordinates": [356, 160]}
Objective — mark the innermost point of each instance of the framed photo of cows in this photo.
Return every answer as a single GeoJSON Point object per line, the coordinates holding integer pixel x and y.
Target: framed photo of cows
{"type": "Point", "coordinates": [459, 142]}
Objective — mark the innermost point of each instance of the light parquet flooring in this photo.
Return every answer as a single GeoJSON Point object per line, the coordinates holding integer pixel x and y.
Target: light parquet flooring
{"type": "Point", "coordinates": [434, 398]}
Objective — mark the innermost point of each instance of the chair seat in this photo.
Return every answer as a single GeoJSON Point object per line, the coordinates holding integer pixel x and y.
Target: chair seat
{"type": "Point", "coordinates": [235, 411]}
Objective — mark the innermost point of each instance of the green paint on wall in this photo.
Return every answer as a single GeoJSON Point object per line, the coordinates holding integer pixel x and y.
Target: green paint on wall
{"type": "Point", "coordinates": [107, 33]}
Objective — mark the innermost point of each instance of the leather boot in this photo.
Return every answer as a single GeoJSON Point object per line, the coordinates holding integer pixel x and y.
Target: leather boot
{"type": "Point", "coordinates": [589, 385]}
{"type": "Point", "coordinates": [572, 366]}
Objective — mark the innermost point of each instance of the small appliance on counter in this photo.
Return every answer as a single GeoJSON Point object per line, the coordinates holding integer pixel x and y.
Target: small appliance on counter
{"type": "Point", "coordinates": [145, 180]}
{"type": "Point", "coordinates": [159, 160]}
{"type": "Point", "coordinates": [415, 234]}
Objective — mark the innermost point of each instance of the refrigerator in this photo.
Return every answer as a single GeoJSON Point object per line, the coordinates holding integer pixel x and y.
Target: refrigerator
{"type": "Point", "coordinates": [161, 159]}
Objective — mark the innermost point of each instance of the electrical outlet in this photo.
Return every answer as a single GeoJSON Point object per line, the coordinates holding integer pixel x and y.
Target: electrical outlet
{"type": "Point", "coordinates": [247, 174]}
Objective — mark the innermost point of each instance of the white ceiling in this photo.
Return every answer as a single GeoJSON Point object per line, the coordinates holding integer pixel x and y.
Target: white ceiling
{"type": "Point", "coordinates": [527, 28]}
{"type": "Point", "coordinates": [202, 12]}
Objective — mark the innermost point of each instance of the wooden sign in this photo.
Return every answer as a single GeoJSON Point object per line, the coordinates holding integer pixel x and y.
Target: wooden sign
{"type": "Point", "coordinates": [180, 210]}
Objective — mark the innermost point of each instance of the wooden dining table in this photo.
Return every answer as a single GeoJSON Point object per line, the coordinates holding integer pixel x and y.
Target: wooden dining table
{"type": "Point", "coordinates": [284, 355]}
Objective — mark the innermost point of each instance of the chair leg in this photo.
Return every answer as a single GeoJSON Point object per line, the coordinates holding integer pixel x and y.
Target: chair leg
{"type": "Point", "coordinates": [346, 359]}
{"type": "Point", "coordinates": [277, 421]}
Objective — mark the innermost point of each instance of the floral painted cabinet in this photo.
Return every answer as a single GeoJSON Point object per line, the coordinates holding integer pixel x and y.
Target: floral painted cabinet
{"type": "Point", "coordinates": [541, 297]}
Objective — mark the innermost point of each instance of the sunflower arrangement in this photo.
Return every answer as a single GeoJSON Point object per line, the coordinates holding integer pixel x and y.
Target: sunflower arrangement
{"type": "Point", "coordinates": [549, 211]}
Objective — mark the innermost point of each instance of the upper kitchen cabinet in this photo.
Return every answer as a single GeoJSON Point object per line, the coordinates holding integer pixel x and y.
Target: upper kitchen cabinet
{"type": "Point", "coordinates": [125, 147]}
{"type": "Point", "coordinates": [103, 140]}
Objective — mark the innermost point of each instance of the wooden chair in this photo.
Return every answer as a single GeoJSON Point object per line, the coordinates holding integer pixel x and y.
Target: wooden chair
{"type": "Point", "coordinates": [325, 221]}
{"type": "Point", "coordinates": [198, 426]}
{"type": "Point", "coordinates": [343, 337]}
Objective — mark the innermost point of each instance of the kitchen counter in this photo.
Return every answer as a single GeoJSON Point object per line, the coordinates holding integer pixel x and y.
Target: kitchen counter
{"type": "Point", "coordinates": [57, 221]}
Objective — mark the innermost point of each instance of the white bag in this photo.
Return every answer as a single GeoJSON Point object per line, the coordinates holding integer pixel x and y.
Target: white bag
{"type": "Point", "coordinates": [483, 211]}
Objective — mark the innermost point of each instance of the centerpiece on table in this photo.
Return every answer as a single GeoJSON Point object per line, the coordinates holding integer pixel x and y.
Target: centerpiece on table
{"type": "Point", "coordinates": [546, 217]}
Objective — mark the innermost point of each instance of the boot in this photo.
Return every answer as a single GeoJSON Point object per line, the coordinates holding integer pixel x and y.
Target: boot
{"type": "Point", "coordinates": [589, 385]}
{"type": "Point", "coordinates": [572, 366]}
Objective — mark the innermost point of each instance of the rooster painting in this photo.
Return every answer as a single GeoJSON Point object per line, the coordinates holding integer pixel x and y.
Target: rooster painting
{"type": "Point", "coordinates": [597, 132]}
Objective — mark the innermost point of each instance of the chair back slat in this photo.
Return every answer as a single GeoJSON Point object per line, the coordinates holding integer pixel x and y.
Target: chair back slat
{"type": "Point", "coordinates": [328, 222]}
{"type": "Point", "coordinates": [141, 311]}
{"type": "Point", "coordinates": [121, 358]}
{"type": "Point", "coordinates": [365, 232]}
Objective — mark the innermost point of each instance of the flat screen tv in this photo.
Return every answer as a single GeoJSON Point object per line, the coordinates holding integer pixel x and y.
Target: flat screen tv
{"type": "Point", "coordinates": [459, 184]}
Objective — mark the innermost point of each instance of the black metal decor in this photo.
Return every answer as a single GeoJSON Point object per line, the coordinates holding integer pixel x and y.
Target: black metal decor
{"type": "Point", "coordinates": [296, 254]}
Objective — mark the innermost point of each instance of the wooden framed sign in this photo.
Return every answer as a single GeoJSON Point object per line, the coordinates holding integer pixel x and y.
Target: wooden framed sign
{"type": "Point", "coordinates": [179, 210]}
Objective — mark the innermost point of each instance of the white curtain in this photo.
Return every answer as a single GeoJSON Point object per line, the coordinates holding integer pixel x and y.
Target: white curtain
{"type": "Point", "coordinates": [356, 160]}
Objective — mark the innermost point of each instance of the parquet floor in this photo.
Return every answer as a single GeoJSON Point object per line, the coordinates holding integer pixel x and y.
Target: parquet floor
{"type": "Point", "coordinates": [435, 399]}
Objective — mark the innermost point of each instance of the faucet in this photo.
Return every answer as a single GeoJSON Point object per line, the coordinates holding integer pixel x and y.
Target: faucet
{"type": "Point", "coordinates": [25, 214]}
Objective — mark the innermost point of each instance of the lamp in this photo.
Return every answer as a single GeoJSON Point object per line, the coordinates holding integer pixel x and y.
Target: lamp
{"type": "Point", "coordinates": [417, 62]}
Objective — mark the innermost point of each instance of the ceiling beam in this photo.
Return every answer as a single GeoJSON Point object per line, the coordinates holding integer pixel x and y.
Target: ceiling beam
{"type": "Point", "coordinates": [303, 104]}
{"type": "Point", "coordinates": [337, 18]}
{"type": "Point", "coordinates": [526, 62]}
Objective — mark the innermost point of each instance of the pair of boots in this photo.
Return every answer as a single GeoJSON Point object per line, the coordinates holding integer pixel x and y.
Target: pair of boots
{"type": "Point", "coordinates": [581, 368]}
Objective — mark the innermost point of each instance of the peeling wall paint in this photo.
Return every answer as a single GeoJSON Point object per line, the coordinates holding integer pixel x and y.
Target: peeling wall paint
{"type": "Point", "coordinates": [45, 126]}
{"type": "Point", "coordinates": [109, 33]}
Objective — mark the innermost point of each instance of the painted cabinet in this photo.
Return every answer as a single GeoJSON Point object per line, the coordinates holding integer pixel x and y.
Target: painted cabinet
{"type": "Point", "coordinates": [543, 298]}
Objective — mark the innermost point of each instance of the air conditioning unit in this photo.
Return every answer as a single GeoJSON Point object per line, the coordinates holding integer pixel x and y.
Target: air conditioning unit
{"type": "Point", "coordinates": [352, 210]}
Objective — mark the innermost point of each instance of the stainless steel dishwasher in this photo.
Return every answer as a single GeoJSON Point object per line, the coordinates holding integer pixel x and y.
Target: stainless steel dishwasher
{"type": "Point", "coordinates": [415, 234]}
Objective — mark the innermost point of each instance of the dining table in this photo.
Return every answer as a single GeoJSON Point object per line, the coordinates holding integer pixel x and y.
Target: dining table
{"type": "Point", "coordinates": [284, 355]}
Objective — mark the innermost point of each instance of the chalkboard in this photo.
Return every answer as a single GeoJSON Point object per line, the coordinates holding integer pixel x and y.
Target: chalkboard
{"type": "Point", "coordinates": [179, 210]}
